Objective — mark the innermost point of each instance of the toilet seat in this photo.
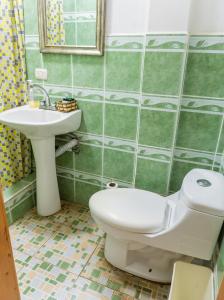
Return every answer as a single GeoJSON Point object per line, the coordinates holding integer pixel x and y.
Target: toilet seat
{"type": "Point", "coordinates": [132, 210]}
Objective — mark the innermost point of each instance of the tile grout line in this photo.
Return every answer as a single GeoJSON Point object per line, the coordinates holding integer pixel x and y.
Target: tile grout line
{"type": "Point", "coordinates": [139, 109]}
{"type": "Point", "coordinates": [103, 117]}
{"type": "Point", "coordinates": [176, 126]}
{"type": "Point", "coordinates": [73, 154]}
{"type": "Point", "coordinates": [218, 143]}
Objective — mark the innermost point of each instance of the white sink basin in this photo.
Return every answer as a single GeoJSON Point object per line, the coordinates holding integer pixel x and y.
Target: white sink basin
{"type": "Point", "coordinates": [36, 122]}
{"type": "Point", "coordinates": [41, 126]}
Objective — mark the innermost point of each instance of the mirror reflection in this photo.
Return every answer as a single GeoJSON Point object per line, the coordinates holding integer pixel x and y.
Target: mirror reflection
{"type": "Point", "coordinates": [71, 22]}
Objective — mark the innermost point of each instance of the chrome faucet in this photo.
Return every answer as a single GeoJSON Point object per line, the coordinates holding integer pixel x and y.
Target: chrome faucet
{"type": "Point", "coordinates": [46, 102]}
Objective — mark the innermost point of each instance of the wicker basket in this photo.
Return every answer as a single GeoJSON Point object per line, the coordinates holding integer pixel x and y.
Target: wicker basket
{"type": "Point", "coordinates": [66, 107]}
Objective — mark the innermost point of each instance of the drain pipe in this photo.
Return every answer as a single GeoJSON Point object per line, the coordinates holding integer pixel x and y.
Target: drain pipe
{"type": "Point", "coordinates": [72, 145]}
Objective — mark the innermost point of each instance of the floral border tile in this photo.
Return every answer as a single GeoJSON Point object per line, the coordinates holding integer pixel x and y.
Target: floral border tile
{"type": "Point", "coordinates": [160, 103]}
{"type": "Point", "coordinates": [122, 98]}
{"type": "Point", "coordinates": [172, 42]}
{"type": "Point", "coordinates": [187, 155]}
{"type": "Point", "coordinates": [157, 154]}
{"type": "Point", "coordinates": [215, 106]}
{"type": "Point", "coordinates": [207, 43]}
{"type": "Point", "coordinates": [119, 144]}
{"type": "Point", "coordinates": [88, 94]}
{"type": "Point", "coordinates": [125, 43]}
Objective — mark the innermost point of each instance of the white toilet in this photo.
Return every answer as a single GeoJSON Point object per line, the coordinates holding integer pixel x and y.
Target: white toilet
{"type": "Point", "coordinates": [147, 233]}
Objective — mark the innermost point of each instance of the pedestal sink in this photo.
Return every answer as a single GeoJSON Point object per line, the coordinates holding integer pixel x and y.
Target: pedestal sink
{"type": "Point", "coordinates": [41, 126]}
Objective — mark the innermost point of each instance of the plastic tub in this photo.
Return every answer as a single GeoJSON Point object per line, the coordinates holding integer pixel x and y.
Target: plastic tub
{"type": "Point", "coordinates": [191, 282]}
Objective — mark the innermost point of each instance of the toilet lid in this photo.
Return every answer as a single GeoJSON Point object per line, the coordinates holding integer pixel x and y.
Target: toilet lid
{"type": "Point", "coordinates": [130, 209]}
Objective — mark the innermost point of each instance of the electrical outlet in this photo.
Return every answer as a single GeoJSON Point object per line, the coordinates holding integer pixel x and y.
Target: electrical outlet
{"type": "Point", "coordinates": [41, 74]}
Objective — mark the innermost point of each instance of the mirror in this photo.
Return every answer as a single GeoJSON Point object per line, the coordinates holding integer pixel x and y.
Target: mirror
{"type": "Point", "coordinates": [71, 26]}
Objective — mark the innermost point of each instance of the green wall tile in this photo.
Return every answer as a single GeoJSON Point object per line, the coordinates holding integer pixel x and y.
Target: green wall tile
{"type": "Point", "coordinates": [33, 61]}
{"type": "Point", "coordinates": [70, 32]}
{"type": "Point", "coordinates": [65, 160]}
{"type": "Point", "coordinates": [30, 14]}
{"type": "Point", "coordinates": [89, 159]}
{"type": "Point", "coordinates": [198, 131]}
{"type": "Point", "coordinates": [157, 128]}
{"type": "Point", "coordinates": [69, 6]}
{"type": "Point", "coordinates": [59, 69]}
{"type": "Point", "coordinates": [66, 189]}
{"type": "Point", "coordinates": [221, 141]}
{"type": "Point", "coordinates": [204, 76]}
{"type": "Point", "coordinates": [162, 73]}
{"type": "Point", "coordinates": [152, 175]}
{"type": "Point", "coordinates": [86, 33]}
{"type": "Point", "coordinates": [121, 121]}
{"type": "Point", "coordinates": [87, 5]}
{"type": "Point", "coordinates": [118, 165]}
{"type": "Point", "coordinates": [88, 71]}
{"type": "Point", "coordinates": [20, 209]}
{"type": "Point", "coordinates": [123, 70]}
{"type": "Point", "coordinates": [92, 117]}
{"type": "Point", "coordinates": [83, 192]}
{"type": "Point", "coordinates": [179, 170]}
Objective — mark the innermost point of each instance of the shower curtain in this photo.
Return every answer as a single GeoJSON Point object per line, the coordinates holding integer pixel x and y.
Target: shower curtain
{"type": "Point", "coordinates": [55, 22]}
{"type": "Point", "coordinates": [15, 151]}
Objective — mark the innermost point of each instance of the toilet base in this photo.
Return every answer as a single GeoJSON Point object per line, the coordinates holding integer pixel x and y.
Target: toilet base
{"type": "Point", "coordinates": [141, 260]}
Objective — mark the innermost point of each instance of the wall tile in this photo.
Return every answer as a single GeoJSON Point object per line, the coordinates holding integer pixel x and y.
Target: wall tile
{"type": "Point", "coordinates": [59, 69]}
{"type": "Point", "coordinates": [123, 71]}
{"type": "Point", "coordinates": [162, 73]}
{"type": "Point", "coordinates": [156, 128]}
{"type": "Point", "coordinates": [204, 75]}
{"type": "Point", "coordinates": [152, 175]}
{"type": "Point", "coordinates": [66, 189]}
{"type": "Point", "coordinates": [89, 159]}
{"type": "Point", "coordinates": [65, 160]}
{"type": "Point", "coordinates": [87, 5]}
{"type": "Point", "coordinates": [33, 61]}
{"type": "Point", "coordinates": [83, 192]}
{"type": "Point", "coordinates": [19, 210]}
{"type": "Point", "coordinates": [121, 121]}
{"type": "Point", "coordinates": [118, 165]}
{"type": "Point", "coordinates": [88, 71]}
{"type": "Point", "coordinates": [180, 169]}
{"type": "Point", "coordinates": [192, 133]}
{"type": "Point", "coordinates": [92, 117]}
{"type": "Point", "coordinates": [221, 141]}
{"type": "Point", "coordinates": [31, 24]}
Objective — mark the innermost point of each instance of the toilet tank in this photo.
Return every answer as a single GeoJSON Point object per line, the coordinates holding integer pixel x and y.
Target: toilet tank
{"type": "Point", "coordinates": [203, 191]}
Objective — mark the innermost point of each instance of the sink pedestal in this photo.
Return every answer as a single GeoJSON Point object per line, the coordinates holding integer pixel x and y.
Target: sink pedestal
{"type": "Point", "coordinates": [48, 200]}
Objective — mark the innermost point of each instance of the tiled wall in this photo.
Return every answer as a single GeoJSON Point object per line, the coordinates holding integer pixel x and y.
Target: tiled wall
{"type": "Point", "coordinates": [152, 110]}
{"type": "Point", "coordinates": [80, 22]}
{"type": "Point", "coordinates": [132, 99]}
{"type": "Point", "coordinates": [200, 136]}
{"type": "Point", "coordinates": [20, 198]}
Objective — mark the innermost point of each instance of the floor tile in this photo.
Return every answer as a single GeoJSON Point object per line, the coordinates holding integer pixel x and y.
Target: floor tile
{"type": "Point", "coordinates": [29, 237]}
{"type": "Point", "coordinates": [69, 249]}
{"type": "Point", "coordinates": [62, 257]}
{"type": "Point", "coordinates": [41, 280]}
{"type": "Point", "coordinates": [100, 271]}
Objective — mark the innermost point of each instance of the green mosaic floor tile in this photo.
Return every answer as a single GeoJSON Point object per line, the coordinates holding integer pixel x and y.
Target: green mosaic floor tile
{"type": "Point", "coordinates": [100, 271]}
{"type": "Point", "coordinates": [69, 249]}
{"type": "Point", "coordinates": [51, 251]}
{"type": "Point", "coordinates": [42, 280]}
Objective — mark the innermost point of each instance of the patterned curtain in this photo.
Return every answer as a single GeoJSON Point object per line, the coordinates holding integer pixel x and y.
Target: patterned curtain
{"type": "Point", "coordinates": [55, 22]}
{"type": "Point", "coordinates": [15, 151]}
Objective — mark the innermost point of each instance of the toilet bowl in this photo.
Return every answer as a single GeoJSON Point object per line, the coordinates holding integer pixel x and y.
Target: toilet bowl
{"type": "Point", "coordinates": [147, 233]}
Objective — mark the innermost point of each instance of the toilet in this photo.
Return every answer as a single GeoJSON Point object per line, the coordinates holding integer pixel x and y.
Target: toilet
{"type": "Point", "coordinates": [147, 233]}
